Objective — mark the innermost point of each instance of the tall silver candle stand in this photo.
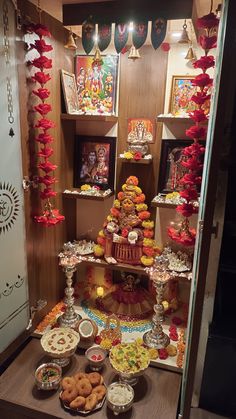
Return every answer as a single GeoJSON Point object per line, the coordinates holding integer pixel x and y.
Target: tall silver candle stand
{"type": "Point", "coordinates": [156, 338]}
{"type": "Point", "coordinates": [69, 262]}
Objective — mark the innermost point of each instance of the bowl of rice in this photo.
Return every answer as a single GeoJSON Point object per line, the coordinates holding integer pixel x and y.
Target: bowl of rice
{"type": "Point", "coordinates": [120, 397]}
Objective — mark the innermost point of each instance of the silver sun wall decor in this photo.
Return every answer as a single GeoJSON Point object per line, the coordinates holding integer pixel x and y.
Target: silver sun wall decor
{"type": "Point", "coordinates": [69, 262]}
{"type": "Point", "coordinates": [156, 338]}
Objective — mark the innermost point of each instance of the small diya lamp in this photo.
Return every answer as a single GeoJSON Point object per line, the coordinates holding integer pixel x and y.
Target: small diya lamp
{"type": "Point", "coordinates": [96, 357]}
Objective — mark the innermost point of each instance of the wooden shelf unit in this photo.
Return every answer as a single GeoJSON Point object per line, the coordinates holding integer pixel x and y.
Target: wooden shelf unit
{"type": "Point", "coordinates": [76, 117]}
{"type": "Point", "coordinates": [167, 118]}
{"type": "Point", "coordinates": [140, 161]}
{"type": "Point", "coordinates": [71, 195]}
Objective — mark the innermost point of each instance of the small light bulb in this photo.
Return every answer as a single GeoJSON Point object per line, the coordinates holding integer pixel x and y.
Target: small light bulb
{"type": "Point", "coordinates": [131, 26]}
{"type": "Point", "coordinates": [95, 38]}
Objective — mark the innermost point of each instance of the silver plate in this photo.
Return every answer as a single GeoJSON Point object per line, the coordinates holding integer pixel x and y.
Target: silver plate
{"type": "Point", "coordinates": [83, 412]}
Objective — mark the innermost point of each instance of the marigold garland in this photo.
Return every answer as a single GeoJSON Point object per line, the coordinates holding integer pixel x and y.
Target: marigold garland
{"type": "Point", "coordinates": [194, 154]}
{"type": "Point", "coordinates": [50, 216]}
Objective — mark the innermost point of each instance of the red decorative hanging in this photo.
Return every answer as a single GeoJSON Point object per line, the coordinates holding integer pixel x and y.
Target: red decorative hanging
{"type": "Point", "coordinates": [50, 216]}
{"type": "Point", "coordinates": [193, 161]}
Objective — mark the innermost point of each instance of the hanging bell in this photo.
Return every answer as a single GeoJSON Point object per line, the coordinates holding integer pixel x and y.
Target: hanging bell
{"type": "Point", "coordinates": [190, 54]}
{"type": "Point", "coordinates": [97, 55]}
{"type": "Point", "coordinates": [184, 38]}
{"type": "Point", "coordinates": [134, 53]}
{"type": "Point", "coordinates": [70, 42]}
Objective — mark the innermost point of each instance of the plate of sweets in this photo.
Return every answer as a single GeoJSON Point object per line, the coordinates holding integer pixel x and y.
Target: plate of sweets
{"type": "Point", "coordinates": [83, 393]}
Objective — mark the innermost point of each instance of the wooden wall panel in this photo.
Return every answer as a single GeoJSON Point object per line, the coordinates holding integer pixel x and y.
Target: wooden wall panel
{"type": "Point", "coordinates": [142, 90]}
{"type": "Point", "coordinates": [43, 244]}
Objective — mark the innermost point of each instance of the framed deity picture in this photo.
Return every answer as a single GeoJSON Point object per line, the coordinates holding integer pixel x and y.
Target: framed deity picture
{"type": "Point", "coordinates": [141, 130]}
{"type": "Point", "coordinates": [94, 162]}
{"type": "Point", "coordinates": [70, 92]}
{"type": "Point", "coordinates": [171, 169]}
{"type": "Point", "coordinates": [97, 84]}
{"type": "Point", "coordinates": [180, 96]}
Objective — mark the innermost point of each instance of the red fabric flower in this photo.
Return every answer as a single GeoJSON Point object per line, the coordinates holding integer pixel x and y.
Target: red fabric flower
{"type": "Point", "coordinates": [208, 21]}
{"type": "Point", "coordinates": [47, 193]}
{"type": "Point", "coordinates": [47, 166]}
{"type": "Point", "coordinates": [186, 210]}
{"type": "Point", "coordinates": [202, 80]}
{"type": "Point", "coordinates": [47, 180]}
{"type": "Point", "coordinates": [177, 321]}
{"type": "Point", "coordinates": [144, 215]}
{"type": "Point", "coordinates": [41, 30]}
{"type": "Point", "coordinates": [192, 164]}
{"type": "Point", "coordinates": [196, 132]}
{"type": "Point", "coordinates": [148, 251]}
{"type": "Point", "coordinates": [200, 98]}
{"type": "Point", "coordinates": [115, 212]}
{"type": "Point", "coordinates": [98, 340]}
{"type": "Point", "coordinates": [45, 124]}
{"type": "Point", "coordinates": [189, 194]}
{"type": "Point", "coordinates": [163, 354]}
{"type": "Point", "coordinates": [120, 196]}
{"type": "Point", "coordinates": [45, 152]}
{"type": "Point", "coordinates": [42, 93]}
{"type": "Point", "coordinates": [184, 238]}
{"type": "Point", "coordinates": [41, 46]}
{"type": "Point", "coordinates": [148, 233]}
{"type": "Point", "coordinates": [174, 336]}
{"type": "Point", "coordinates": [198, 115]}
{"type": "Point", "coordinates": [43, 108]}
{"type": "Point", "coordinates": [190, 179]}
{"type": "Point", "coordinates": [124, 232]}
{"type": "Point", "coordinates": [41, 77]}
{"type": "Point", "coordinates": [42, 62]}
{"type": "Point", "coordinates": [165, 46]}
{"type": "Point", "coordinates": [195, 150]}
{"type": "Point", "coordinates": [137, 155]}
{"type": "Point", "coordinates": [207, 42]}
{"type": "Point", "coordinates": [205, 62]}
{"type": "Point", "coordinates": [44, 138]}
{"type": "Point", "coordinates": [49, 219]}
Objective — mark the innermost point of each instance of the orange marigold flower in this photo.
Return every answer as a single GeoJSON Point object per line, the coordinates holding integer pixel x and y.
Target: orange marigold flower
{"type": "Point", "coordinates": [101, 241]}
{"type": "Point", "coordinates": [148, 251]}
{"type": "Point", "coordinates": [148, 233]}
{"type": "Point", "coordinates": [115, 212]}
{"type": "Point", "coordinates": [139, 199]}
{"type": "Point", "coordinates": [144, 215]}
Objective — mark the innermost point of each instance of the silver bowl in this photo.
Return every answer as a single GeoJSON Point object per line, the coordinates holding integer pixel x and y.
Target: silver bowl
{"type": "Point", "coordinates": [115, 406]}
{"type": "Point", "coordinates": [96, 365]}
{"type": "Point", "coordinates": [52, 384]}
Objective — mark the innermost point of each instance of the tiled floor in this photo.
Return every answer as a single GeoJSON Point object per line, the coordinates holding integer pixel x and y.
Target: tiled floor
{"type": "Point", "coordinates": [204, 414]}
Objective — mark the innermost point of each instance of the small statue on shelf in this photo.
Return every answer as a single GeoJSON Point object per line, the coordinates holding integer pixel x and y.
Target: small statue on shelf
{"type": "Point", "coordinates": [127, 234]}
{"type": "Point", "coordinates": [140, 135]}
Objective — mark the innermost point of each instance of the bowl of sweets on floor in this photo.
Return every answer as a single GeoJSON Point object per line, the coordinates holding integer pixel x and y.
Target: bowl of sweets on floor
{"type": "Point", "coordinates": [120, 397]}
{"type": "Point", "coordinates": [48, 376]}
{"type": "Point", "coordinates": [130, 361]}
{"type": "Point", "coordinates": [60, 344]}
{"type": "Point", "coordinates": [96, 357]}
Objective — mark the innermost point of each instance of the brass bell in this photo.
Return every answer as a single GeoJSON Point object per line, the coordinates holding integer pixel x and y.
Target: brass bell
{"type": "Point", "coordinates": [97, 55]}
{"type": "Point", "coordinates": [134, 53]}
{"type": "Point", "coordinates": [190, 54]}
{"type": "Point", "coordinates": [184, 38]}
{"type": "Point", "coordinates": [70, 42]}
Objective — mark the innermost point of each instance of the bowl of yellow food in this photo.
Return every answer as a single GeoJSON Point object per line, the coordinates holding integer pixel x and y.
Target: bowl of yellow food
{"type": "Point", "coordinates": [130, 361]}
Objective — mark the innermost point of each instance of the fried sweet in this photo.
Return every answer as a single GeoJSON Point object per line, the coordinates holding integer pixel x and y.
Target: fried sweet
{"type": "Point", "coordinates": [91, 402]}
{"type": "Point", "coordinates": [100, 392]}
{"type": "Point", "coordinates": [78, 403]}
{"type": "Point", "coordinates": [84, 387]}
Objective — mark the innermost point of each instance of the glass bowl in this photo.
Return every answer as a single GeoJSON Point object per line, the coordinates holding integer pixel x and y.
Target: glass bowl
{"type": "Point", "coordinates": [96, 357]}
{"type": "Point", "coordinates": [130, 361]}
{"type": "Point", "coordinates": [120, 397]}
{"type": "Point", "coordinates": [48, 376]}
{"type": "Point", "coordinates": [60, 344]}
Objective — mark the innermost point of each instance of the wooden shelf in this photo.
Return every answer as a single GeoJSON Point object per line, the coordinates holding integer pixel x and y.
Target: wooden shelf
{"type": "Point", "coordinates": [76, 117]}
{"type": "Point", "coordinates": [116, 267]}
{"type": "Point", "coordinates": [167, 118]}
{"type": "Point", "coordinates": [142, 161]}
{"type": "Point", "coordinates": [72, 195]}
{"type": "Point", "coordinates": [163, 205]}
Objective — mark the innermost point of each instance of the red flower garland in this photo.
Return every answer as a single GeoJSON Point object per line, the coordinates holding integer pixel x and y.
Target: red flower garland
{"type": "Point", "coordinates": [50, 216]}
{"type": "Point", "coordinates": [194, 154]}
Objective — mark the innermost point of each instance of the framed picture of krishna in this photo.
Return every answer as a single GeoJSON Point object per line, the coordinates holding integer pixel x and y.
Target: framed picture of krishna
{"type": "Point", "coordinates": [94, 162]}
{"type": "Point", "coordinates": [97, 84]}
{"type": "Point", "coordinates": [171, 169]}
{"type": "Point", "coordinates": [180, 96]}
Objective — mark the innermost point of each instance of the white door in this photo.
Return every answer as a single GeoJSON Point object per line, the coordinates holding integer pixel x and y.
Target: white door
{"type": "Point", "coordinates": [14, 303]}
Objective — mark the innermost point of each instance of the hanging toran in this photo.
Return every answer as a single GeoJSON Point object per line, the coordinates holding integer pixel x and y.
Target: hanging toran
{"type": "Point", "coordinates": [194, 154]}
{"type": "Point", "coordinates": [50, 216]}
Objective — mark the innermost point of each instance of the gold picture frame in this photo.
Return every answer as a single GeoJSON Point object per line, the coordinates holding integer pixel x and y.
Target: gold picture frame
{"type": "Point", "coordinates": [180, 95]}
{"type": "Point", "coordinates": [70, 92]}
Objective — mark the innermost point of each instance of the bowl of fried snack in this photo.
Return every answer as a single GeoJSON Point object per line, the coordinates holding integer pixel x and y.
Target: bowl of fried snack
{"type": "Point", "coordinates": [130, 361]}
{"type": "Point", "coordinates": [82, 392]}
